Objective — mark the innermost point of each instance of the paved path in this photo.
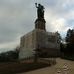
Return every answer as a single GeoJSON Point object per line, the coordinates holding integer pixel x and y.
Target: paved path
{"type": "Point", "coordinates": [54, 69]}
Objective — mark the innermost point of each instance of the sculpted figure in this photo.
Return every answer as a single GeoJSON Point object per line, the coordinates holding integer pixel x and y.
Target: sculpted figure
{"type": "Point", "coordinates": [40, 10]}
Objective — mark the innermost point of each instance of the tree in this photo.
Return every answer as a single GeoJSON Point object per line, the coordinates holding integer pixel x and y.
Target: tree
{"type": "Point", "coordinates": [17, 49]}
{"type": "Point", "coordinates": [70, 41]}
{"type": "Point", "coordinates": [70, 36]}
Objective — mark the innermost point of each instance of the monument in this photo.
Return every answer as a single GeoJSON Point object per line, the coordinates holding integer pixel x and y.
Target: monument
{"type": "Point", "coordinates": [40, 21]}
{"type": "Point", "coordinates": [47, 43]}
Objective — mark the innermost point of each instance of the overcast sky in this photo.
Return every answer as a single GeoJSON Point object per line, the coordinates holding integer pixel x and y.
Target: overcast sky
{"type": "Point", "coordinates": [17, 18]}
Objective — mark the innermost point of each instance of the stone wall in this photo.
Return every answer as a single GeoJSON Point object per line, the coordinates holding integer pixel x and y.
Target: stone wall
{"type": "Point", "coordinates": [46, 39]}
{"type": "Point", "coordinates": [38, 39]}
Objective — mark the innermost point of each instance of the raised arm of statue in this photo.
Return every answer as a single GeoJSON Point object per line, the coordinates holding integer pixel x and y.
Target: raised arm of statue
{"type": "Point", "coordinates": [36, 5]}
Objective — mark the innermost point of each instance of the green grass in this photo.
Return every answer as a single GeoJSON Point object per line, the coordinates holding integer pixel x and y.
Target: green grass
{"type": "Point", "coordinates": [68, 57]}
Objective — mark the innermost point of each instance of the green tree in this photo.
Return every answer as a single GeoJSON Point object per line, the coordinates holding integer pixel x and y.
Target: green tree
{"type": "Point", "coordinates": [70, 41]}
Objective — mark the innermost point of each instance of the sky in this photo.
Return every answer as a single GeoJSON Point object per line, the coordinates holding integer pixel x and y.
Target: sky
{"type": "Point", "coordinates": [17, 18]}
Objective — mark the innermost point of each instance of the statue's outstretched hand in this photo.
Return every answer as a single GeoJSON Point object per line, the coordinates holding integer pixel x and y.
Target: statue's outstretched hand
{"type": "Point", "coordinates": [36, 4]}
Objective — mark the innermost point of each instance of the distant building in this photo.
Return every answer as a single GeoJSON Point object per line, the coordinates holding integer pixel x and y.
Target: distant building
{"type": "Point", "coordinates": [47, 43]}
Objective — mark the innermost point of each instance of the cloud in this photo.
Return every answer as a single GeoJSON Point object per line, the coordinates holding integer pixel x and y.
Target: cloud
{"type": "Point", "coordinates": [9, 45]}
{"type": "Point", "coordinates": [60, 15]}
{"type": "Point", "coordinates": [54, 22]}
{"type": "Point", "coordinates": [17, 18]}
{"type": "Point", "coordinates": [15, 21]}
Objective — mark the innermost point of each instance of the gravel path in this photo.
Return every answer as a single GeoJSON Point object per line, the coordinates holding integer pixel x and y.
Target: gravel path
{"type": "Point", "coordinates": [61, 67]}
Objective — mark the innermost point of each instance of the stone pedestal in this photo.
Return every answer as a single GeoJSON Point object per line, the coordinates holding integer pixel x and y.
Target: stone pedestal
{"type": "Point", "coordinates": [40, 24]}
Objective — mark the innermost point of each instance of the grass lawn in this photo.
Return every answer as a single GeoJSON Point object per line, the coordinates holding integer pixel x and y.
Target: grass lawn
{"type": "Point", "coordinates": [68, 57]}
{"type": "Point", "coordinates": [18, 67]}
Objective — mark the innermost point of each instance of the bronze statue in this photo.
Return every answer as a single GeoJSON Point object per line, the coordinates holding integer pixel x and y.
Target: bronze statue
{"type": "Point", "coordinates": [40, 10]}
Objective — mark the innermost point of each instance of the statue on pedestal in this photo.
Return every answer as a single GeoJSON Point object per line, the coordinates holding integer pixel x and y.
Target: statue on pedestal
{"type": "Point", "coordinates": [40, 10]}
{"type": "Point", "coordinates": [40, 21]}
